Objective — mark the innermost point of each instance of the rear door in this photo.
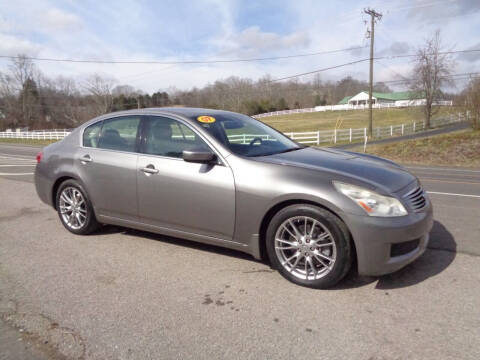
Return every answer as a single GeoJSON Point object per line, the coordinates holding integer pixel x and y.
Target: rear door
{"type": "Point", "coordinates": [174, 194]}
{"type": "Point", "coordinates": [107, 164]}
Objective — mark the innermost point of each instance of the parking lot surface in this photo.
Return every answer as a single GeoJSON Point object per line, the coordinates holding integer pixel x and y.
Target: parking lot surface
{"type": "Point", "coordinates": [125, 294]}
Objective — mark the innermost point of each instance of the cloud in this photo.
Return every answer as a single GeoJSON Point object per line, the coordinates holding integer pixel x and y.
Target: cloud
{"type": "Point", "coordinates": [358, 51]}
{"type": "Point", "coordinates": [11, 45]}
{"type": "Point", "coordinates": [59, 20]}
{"type": "Point", "coordinates": [252, 41]}
{"type": "Point", "coordinates": [396, 48]}
{"type": "Point", "coordinates": [470, 56]}
{"type": "Point", "coordinates": [437, 11]}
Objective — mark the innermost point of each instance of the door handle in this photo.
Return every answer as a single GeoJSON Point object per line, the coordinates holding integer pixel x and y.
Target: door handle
{"type": "Point", "coordinates": [149, 169]}
{"type": "Point", "coordinates": [86, 159]}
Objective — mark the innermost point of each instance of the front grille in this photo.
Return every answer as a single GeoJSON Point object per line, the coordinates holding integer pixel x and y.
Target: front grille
{"type": "Point", "coordinates": [416, 199]}
{"type": "Point", "coordinates": [404, 247]}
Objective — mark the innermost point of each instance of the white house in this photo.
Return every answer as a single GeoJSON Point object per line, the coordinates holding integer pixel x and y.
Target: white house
{"type": "Point", "coordinates": [397, 99]}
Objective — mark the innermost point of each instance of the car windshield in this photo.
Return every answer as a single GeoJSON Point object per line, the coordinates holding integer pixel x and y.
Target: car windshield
{"type": "Point", "coordinates": [244, 135]}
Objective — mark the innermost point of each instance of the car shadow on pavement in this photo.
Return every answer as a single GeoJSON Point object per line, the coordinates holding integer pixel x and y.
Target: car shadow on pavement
{"type": "Point", "coordinates": [111, 229]}
{"type": "Point", "coordinates": [440, 253]}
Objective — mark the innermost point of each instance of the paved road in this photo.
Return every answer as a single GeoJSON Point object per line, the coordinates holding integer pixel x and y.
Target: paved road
{"type": "Point", "coordinates": [123, 294]}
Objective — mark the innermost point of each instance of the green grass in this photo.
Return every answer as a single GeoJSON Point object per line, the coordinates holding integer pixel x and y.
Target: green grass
{"type": "Point", "coordinates": [328, 120]}
{"type": "Point", "coordinates": [460, 148]}
{"type": "Point", "coordinates": [26, 141]}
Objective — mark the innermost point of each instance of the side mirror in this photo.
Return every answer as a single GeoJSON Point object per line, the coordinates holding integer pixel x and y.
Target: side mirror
{"type": "Point", "coordinates": [199, 156]}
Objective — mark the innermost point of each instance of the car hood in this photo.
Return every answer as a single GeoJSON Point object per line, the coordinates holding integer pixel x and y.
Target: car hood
{"type": "Point", "coordinates": [376, 171]}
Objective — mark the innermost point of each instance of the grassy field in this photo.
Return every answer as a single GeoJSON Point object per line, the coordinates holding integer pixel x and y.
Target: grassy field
{"type": "Point", "coordinates": [455, 149]}
{"type": "Point", "coordinates": [27, 141]}
{"type": "Point", "coordinates": [328, 120]}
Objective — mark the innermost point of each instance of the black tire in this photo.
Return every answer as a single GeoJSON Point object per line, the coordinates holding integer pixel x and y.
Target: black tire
{"type": "Point", "coordinates": [339, 234]}
{"type": "Point", "coordinates": [90, 221]}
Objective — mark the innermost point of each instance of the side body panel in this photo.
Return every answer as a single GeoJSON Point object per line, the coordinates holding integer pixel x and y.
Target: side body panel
{"type": "Point", "coordinates": [261, 186]}
{"type": "Point", "coordinates": [57, 162]}
{"type": "Point", "coordinates": [111, 181]}
{"type": "Point", "coordinates": [189, 197]}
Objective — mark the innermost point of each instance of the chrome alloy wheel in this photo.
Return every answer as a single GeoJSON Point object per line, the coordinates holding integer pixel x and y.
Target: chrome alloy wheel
{"type": "Point", "coordinates": [305, 247]}
{"type": "Point", "coordinates": [73, 208]}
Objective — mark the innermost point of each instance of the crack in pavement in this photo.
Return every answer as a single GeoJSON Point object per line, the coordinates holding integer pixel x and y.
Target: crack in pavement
{"type": "Point", "coordinates": [59, 342]}
{"type": "Point", "coordinates": [22, 212]}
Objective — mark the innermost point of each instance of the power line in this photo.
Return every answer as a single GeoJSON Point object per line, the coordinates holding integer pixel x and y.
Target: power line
{"type": "Point", "coordinates": [317, 71]}
{"type": "Point", "coordinates": [438, 53]}
{"type": "Point", "coordinates": [146, 62]}
{"type": "Point", "coordinates": [388, 57]}
{"type": "Point", "coordinates": [391, 70]}
{"type": "Point", "coordinates": [453, 76]}
{"type": "Point", "coordinates": [214, 61]}
{"type": "Point", "coordinates": [366, 59]}
{"type": "Point", "coordinates": [420, 6]}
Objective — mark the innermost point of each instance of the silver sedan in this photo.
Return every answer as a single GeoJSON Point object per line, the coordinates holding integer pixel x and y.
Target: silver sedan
{"type": "Point", "coordinates": [226, 179]}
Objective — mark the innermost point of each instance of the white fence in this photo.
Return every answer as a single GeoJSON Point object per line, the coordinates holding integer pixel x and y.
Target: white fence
{"type": "Point", "coordinates": [285, 112]}
{"type": "Point", "coordinates": [311, 137]}
{"type": "Point", "coordinates": [350, 135]}
{"type": "Point", "coordinates": [54, 134]}
{"type": "Point", "coordinates": [345, 107]}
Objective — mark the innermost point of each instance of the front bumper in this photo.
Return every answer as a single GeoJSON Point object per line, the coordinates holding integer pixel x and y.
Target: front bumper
{"type": "Point", "coordinates": [374, 238]}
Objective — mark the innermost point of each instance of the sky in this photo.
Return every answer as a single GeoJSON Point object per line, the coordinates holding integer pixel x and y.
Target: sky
{"type": "Point", "coordinates": [189, 30]}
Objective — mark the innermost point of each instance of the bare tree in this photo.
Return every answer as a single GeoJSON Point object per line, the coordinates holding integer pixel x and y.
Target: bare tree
{"type": "Point", "coordinates": [472, 102]}
{"type": "Point", "coordinates": [432, 70]}
{"type": "Point", "coordinates": [20, 92]}
{"type": "Point", "coordinates": [100, 89]}
{"type": "Point", "coordinates": [126, 90]}
{"type": "Point", "coordinates": [63, 102]}
{"type": "Point", "coordinates": [9, 98]}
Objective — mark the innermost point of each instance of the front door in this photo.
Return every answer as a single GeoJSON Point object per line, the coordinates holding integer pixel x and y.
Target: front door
{"type": "Point", "coordinates": [174, 194]}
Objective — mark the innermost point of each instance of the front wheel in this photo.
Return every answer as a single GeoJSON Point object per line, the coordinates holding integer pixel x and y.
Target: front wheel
{"type": "Point", "coordinates": [74, 208]}
{"type": "Point", "coordinates": [309, 246]}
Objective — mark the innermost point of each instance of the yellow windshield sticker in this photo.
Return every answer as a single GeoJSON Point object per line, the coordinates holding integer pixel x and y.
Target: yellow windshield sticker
{"type": "Point", "coordinates": [206, 119]}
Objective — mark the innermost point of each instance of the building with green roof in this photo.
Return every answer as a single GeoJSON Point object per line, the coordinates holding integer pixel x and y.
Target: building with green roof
{"type": "Point", "coordinates": [403, 98]}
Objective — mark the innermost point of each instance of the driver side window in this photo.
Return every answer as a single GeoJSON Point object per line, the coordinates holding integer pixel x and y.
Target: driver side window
{"type": "Point", "coordinates": [169, 137]}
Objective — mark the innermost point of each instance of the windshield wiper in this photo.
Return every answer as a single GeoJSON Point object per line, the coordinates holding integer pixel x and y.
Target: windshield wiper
{"type": "Point", "coordinates": [279, 152]}
{"type": "Point", "coordinates": [292, 149]}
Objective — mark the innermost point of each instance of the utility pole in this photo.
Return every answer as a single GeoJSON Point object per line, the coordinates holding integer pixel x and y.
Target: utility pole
{"type": "Point", "coordinates": [374, 15]}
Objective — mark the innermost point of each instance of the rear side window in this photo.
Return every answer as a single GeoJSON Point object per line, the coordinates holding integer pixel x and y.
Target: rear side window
{"type": "Point", "coordinates": [91, 135]}
{"type": "Point", "coordinates": [119, 133]}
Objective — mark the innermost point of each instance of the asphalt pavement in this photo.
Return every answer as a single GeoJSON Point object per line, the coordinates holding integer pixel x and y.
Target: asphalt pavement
{"type": "Point", "coordinates": [125, 294]}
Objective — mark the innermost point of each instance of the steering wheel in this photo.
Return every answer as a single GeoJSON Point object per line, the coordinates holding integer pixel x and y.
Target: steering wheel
{"type": "Point", "coordinates": [254, 140]}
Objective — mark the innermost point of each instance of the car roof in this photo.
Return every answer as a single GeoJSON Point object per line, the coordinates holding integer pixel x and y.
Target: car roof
{"type": "Point", "coordinates": [181, 111]}
{"type": "Point", "coordinates": [188, 113]}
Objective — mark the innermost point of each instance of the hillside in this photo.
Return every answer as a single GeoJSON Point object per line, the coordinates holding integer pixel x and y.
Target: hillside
{"type": "Point", "coordinates": [454, 149]}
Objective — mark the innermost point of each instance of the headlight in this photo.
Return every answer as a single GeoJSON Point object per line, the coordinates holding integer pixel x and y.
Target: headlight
{"type": "Point", "coordinates": [374, 204]}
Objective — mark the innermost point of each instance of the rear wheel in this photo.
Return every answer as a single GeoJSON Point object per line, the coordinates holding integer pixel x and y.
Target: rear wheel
{"type": "Point", "coordinates": [74, 208]}
{"type": "Point", "coordinates": [309, 246]}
